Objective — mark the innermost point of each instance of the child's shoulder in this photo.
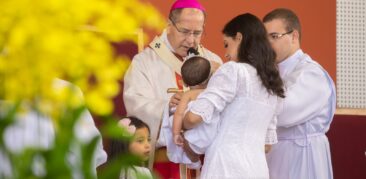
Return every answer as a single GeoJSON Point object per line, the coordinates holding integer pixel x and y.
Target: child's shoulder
{"type": "Point", "coordinates": [193, 93]}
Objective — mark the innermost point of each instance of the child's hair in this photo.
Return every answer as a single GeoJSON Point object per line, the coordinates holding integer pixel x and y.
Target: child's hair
{"type": "Point", "coordinates": [119, 146]}
{"type": "Point", "coordinates": [195, 70]}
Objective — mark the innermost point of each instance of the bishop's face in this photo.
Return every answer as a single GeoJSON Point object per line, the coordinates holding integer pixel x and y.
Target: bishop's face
{"type": "Point", "coordinates": [187, 31]}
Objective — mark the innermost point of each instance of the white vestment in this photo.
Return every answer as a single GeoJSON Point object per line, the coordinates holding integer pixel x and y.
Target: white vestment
{"type": "Point", "coordinates": [145, 87]}
{"type": "Point", "coordinates": [247, 122]}
{"type": "Point", "coordinates": [302, 151]}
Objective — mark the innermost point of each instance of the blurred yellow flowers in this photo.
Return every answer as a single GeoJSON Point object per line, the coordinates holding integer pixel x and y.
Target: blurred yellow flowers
{"type": "Point", "coordinates": [41, 40]}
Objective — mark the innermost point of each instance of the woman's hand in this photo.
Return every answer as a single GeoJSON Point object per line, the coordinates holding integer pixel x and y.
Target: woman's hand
{"type": "Point", "coordinates": [174, 100]}
{"type": "Point", "coordinates": [190, 153]}
{"type": "Point", "coordinates": [267, 148]}
{"type": "Point", "coordinates": [178, 139]}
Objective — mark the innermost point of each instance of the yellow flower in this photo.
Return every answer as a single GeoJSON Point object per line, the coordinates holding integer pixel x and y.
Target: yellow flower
{"type": "Point", "coordinates": [98, 103]}
{"type": "Point", "coordinates": [70, 39]}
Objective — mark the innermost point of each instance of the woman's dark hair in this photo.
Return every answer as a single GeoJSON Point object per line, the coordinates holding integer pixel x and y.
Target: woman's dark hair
{"type": "Point", "coordinates": [256, 50]}
{"type": "Point", "coordinates": [195, 70]}
{"type": "Point", "coordinates": [120, 146]}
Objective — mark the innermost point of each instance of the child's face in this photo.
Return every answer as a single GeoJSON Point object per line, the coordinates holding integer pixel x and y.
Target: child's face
{"type": "Point", "coordinates": [140, 144]}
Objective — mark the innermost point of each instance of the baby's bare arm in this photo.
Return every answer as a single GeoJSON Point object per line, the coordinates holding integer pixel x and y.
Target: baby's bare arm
{"type": "Point", "coordinates": [181, 108]}
{"type": "Point", "coordinates": [179, 114]}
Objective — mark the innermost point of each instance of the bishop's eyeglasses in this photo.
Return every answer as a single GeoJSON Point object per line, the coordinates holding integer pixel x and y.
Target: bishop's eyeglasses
{"type": "Point", "coordinates": [186, 33]}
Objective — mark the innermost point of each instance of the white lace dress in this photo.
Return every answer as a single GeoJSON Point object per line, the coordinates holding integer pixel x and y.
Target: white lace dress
{"type": "Point", "coordinates": [247, 122]}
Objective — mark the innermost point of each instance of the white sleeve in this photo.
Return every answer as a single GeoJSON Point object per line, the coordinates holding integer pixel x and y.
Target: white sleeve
{"type": "Point", "coordinates": [85, 130]}
{"type": "Point", "coordinates": [307, 91]}
{"type": "Point", "coordinates": [220, 91]}
{"type": "Point", "coordinates": [271, 135]}
{"type": "Point", "coordinates": [139, 97]}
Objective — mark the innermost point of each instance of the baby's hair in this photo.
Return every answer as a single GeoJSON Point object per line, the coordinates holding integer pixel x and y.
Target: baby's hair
{"type": "Point", "coordinates": [195, 70]}
{"type": "Point", "coordinates": [119, 146]}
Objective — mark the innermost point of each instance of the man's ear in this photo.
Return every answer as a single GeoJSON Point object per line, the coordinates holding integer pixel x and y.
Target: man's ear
{"type": "Point", "coordinates": [296, 35]}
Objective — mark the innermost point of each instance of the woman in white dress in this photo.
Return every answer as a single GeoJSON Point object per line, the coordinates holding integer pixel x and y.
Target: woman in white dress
{"type": "Point", "coordinates": [246, 91]}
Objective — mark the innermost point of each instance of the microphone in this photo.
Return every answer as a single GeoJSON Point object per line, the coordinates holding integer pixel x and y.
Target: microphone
{"type": "Point", "coordinates": [192, 52]}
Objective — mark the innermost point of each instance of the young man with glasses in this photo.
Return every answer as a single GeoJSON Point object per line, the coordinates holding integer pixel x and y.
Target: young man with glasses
{"type": "Point", "coordinates": [157, 68]}
{"type": "Point", "coordinates": [302, 151]}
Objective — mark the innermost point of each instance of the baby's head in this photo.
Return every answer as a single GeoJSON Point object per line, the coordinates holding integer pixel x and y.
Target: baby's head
{"type": "Point", "coordinates": [139, 145]}
{"type": "Point", "coordinates": [196, 71]}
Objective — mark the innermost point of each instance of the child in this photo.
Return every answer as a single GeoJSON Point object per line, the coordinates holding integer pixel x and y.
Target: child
{"type": "Point", "coordinates": [139, 146]}
{"type": "Point", "coordinates": [196, 72]}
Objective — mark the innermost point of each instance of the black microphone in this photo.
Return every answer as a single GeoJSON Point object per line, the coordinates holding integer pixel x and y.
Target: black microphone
{"type": "Point", "coordinates": [192, 51]}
